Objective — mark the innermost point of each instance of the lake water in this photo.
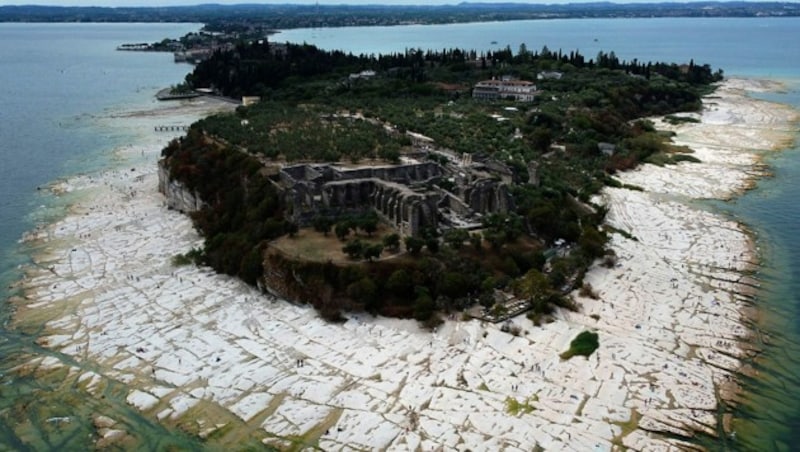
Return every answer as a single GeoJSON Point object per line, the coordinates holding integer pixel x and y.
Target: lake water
{"type": "Point", "coordinates": [57, 82]}
{"type": "Point", "coordinates": [57, 79]}
{"type": "Point", "coordinates": [753, 47]}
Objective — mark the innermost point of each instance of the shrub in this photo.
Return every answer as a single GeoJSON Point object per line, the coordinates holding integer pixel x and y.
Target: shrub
{"type": "Point", "coordinates": [190, 257]}
{"type": "Point", "coordinates": [354, 249]}
{"type": "Point", "coordinates": [414, 245]}
{"type": "Point", "coordinates": [392, 242]}
{"type": "Point", "coordinates": [585, 343]}
{"type": "Point", "coordinates": [675, 120]}
{"type": "Point", "coordinates": [685, 158]}
{"type": "Point", "coordinates": [588, 291]}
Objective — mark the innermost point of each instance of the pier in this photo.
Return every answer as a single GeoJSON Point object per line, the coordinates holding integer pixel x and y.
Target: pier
{"type": "Point", "coordinates": [171, 128]}
{"type": "Point", "coordinates": [168, 94]}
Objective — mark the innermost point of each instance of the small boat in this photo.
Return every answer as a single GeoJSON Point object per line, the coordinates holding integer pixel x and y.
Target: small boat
{"type": "Point", "coordinates": [494, 42]}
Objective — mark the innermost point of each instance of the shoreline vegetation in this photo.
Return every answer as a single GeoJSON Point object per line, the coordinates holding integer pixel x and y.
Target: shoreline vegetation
{"type": "Point", "coordinates": [213, 356]}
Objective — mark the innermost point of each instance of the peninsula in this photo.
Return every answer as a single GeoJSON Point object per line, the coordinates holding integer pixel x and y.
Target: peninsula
{"type": "Point", "coordinates": [350, 185]}
{"type": "Point", "coordinates": [206, 353]}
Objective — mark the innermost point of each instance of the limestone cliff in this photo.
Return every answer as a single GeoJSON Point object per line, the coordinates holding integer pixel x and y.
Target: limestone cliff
{"type": "Point", "coordinates": [178, 196]}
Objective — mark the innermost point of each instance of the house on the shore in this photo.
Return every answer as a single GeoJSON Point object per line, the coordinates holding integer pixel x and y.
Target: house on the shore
{"type": "Point", "coordinates": [250, 100]}
{"type": "Point", "coordinates": [607, 149]}
{"type": "Point", "coordinates": [363, 75]}
{"type": "Point", "coordinates": [505, 88]}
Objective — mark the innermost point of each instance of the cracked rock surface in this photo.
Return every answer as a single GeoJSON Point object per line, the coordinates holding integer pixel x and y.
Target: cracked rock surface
{"type": "Point", "coordinates": [206, 350]}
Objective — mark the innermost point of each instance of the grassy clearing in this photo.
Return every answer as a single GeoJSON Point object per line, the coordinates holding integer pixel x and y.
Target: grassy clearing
{"type": "Point", "coordinates": [312, 246]}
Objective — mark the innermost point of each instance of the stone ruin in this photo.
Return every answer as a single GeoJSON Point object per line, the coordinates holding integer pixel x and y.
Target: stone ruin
{"type": "Point", "coordinates": [410, 197]}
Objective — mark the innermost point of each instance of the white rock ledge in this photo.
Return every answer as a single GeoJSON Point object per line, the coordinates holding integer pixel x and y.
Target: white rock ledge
{"type": "Point", "coordinates": [197, 346]}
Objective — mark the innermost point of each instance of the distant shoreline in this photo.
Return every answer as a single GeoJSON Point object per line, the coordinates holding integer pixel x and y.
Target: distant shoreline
{"type": "Point", "coordinates": [283, 16]}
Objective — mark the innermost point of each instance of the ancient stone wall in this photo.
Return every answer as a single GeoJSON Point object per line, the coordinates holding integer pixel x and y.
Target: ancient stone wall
{"type": "Point", "coordinates": [404, 174]}
{"type": "Point", "coordinates": [488, 196]}
{"type": "Point", "coordinates": [405, 209]}
{"type": "Point", "coordinates": [455, 204]}
{"type": "Point", "coordinates": [323, 189]}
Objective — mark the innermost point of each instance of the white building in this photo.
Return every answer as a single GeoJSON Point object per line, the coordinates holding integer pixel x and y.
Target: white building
{"type": "Point", "coordinates": [519, 90]}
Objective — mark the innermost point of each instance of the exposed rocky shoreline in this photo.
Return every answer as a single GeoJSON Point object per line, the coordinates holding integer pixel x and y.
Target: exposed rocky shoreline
{"type": "Point", "coordinates": [209, 353]}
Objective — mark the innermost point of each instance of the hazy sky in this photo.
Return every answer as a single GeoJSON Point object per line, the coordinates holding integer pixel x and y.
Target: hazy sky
{"type": "Point", "coordinates": [306, 2]}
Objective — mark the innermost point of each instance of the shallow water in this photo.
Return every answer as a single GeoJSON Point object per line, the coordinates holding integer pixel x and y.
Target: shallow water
{"type": "Point", "coordinates": [770, 414]}
{"type": "Point", "coordinates": [60, 82]}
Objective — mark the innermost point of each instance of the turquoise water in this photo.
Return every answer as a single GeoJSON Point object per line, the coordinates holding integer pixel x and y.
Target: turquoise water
{"type": "Point", "coordinates": [754, 47]}
{"type": "Point", "coordinates": [773, 212]}
{"type": "Point", "coordinates": [56, 80]}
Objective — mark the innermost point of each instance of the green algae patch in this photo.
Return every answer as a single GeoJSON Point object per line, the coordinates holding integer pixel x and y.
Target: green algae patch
{"type": "Point", "coordinates": [516, 407]}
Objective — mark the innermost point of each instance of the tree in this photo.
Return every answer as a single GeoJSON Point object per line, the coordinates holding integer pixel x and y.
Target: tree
{"type": "Point", "coordinates": [592, 242]}
{"type": "Point", "coordinates": [432, 244]}
{"type": "Point", "coordinates": [369, 224]}
{"type": "Point", "coordinates": [452, 284]}
{"type": "Point", "coordinates": [322, 224]}
{"type": "Point", "coordinates": [342, 229]}
{"type": "Point", "coordinates": [585, 343]}
{"type": "Point", "coordinates": [424, 307]}
{"type": "Point", "coordinates": [560, 271]}
{"type": "Point", "coordinates": [414, 244]}
{"type": "Point", "coordinates": [507, 226]}
{"type": "Point", "coordinates": [523, 53]}
{"type": "Point", "coordinates": [364, 290]}
{"type": "Point", "coordinates": [390, 152]}
{"type": "Point", "coordinates": [354, 249]}
{"type": "Point", "coordinates": [494, 238]}
{"type": "Point", "coordinates": [392, 241]}
{"type": "Point", "coordinates": [455, 238]}
{"type": "Point", "coordinates": [292, 228]}
{"type": "Point", "coordinates": [372, 251]}
{"type": "Point", "coordinates": [541, 138]}
{"type": "Point", "coordinates": [251, 267]}
{"type": "Point", "coordinates": [477, 241]}
{"type": "Point", "coordinates": [400, 283]}
{"type": "Point", "coordinates": [533, 285]}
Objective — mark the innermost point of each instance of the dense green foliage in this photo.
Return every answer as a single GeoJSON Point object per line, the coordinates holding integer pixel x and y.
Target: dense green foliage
{"type": "Point", "coordinates": [448, 279]}
{"type": "Point", "coordinates": [280, 131]}
{"type": "Point", "coordinates": [243, 209]}
{"type": "Point", "coordinates": [256, 68]}
{"type": "Point", "coordinates": [313, 110]}
{"type": "Point", "coordinates": [584, 344]}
